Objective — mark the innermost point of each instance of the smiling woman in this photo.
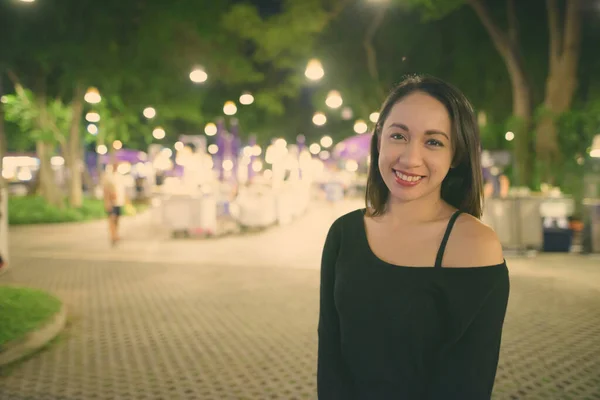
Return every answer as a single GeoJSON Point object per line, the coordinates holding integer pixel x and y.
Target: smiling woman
{"type": "Point", "coordinates": [414, 288]}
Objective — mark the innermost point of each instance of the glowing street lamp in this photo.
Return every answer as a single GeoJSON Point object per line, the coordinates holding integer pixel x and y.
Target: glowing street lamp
{"type": "Point", "coordinates": [314, 70]}
{"type": "Point", "coordinates": [509, 136]}
{"type": "Point", "coordinates": [159, 133]}
{"type": "Point", "coordinates": [92, 96]}
{"type": "Point", "coordinates": [246, 99]}
{"type": "Point", "coordinates": [117, 145]}
{"type": "Point", "coordinates": [213, 149]}
{"type": "Point", "coordinates": [198, 75]}
{"type": "Point", "coordinates": [319, 119]}
{"type": "Point", "coordinates": [326, 141]}
{"type": "Point", "coordinates": [360, 126]}
{"type": "Point", "coordinates": [101, 149]}
{"type": "Point", "coordinates": [334, 99]}
{"type": "Point", "coordinates": [374, 117]}
{"type": "Point", "coordinates": [210, 129]}
{"type": "Point", "coordinates": [92, 129]}
{"type": "Point", "coordinates": [229, 108]}
{"type": "Point", "coordinates": [149, 112]}
{"type": "Point", "coordinates": [92, 117]}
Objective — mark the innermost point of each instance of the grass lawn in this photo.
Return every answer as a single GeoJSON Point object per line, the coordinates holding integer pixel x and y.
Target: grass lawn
{"type": "Point", "coordinates": [35, 210]}
{"type": "Point", "coordinates": [23, 310]}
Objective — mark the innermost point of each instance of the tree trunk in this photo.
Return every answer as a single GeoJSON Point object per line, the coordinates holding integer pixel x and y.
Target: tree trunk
{"type": "Point", "coordinates": [46, 179]}
{"type": "Point", "coordinates": [47, 185]}
{"type": "Point", "coordinates": [74, 156]}
{"type": "Point", "coordinates": [522, 112]}
{"type": "Point", "coordinates": [370, 49]}
{"type": "Point", "coordinates": [565, 45]}
{"type": "Point", "coordinates": [507, 45]}
{"type": "Point", "coordinates": [3, 144]}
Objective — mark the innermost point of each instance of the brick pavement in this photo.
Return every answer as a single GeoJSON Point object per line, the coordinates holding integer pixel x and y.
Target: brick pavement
{"type": "Point", "coordinates": [192, 320]}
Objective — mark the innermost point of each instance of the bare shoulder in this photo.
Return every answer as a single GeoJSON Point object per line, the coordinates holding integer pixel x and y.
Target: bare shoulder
{"type": "Point", "coordinates": [472, 244]}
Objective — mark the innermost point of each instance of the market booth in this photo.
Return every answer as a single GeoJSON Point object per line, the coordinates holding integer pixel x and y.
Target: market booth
{"type": "Point", "coordinates": [591, 200]}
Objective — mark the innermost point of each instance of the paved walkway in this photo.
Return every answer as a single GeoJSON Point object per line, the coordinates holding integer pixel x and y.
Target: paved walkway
{"type": "Point", "coordinates": [235, 318]}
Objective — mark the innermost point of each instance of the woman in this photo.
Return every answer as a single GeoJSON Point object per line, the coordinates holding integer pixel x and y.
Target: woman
{"type": "Point", "coordinates": [414, 288]}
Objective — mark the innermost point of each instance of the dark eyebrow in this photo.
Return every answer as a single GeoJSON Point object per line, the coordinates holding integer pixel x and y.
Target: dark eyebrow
{"type": "Point", "coordinates": [429, 132]}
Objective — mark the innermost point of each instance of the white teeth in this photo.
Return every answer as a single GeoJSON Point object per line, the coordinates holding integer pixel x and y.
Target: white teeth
{"type": "Point", "coordinates": [408, 178]}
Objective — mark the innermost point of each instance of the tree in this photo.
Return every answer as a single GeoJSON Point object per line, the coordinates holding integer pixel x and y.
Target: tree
{"type": "Point", "coordinates": [561, 83]}
{"type": "Point", "coordinates": [47, 121]}
{"type": "Point", "coordinates": [55, 65]}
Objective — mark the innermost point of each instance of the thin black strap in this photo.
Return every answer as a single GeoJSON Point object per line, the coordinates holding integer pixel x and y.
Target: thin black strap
{"type": "Point", "coordinates": [440, 254]}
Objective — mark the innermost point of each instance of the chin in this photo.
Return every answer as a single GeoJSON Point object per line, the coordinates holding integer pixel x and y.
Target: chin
{"type": "Point", "coordinates": [401, 196]}
{"type": "Point", "coordinates": [407, 194]}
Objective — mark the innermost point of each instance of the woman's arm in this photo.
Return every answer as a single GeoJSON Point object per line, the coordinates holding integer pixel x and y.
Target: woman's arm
{"type": "Point", "coordinates": [333, 381]}
{"type": "Point", "coordinates": [468, 369]}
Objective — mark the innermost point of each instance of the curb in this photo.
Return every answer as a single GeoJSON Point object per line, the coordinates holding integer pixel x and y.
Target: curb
{"type": "Point", "coordinates": [34, 340]}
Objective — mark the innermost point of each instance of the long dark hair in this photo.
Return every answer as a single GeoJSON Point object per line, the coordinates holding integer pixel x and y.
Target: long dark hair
{"type": "Point", "coordinates": [463, 186]}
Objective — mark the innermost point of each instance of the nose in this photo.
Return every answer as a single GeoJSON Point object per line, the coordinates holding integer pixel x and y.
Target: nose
{"type": "Point", "coordinates": [411, 156]}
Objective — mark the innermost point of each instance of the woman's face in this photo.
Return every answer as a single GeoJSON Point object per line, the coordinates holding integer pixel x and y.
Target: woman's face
{"type": "Point", "coordinates": [415, 148]}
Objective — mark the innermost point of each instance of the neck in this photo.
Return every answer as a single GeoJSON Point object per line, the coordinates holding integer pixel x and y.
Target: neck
{"type": "Point", "coordinates": [421, 210]}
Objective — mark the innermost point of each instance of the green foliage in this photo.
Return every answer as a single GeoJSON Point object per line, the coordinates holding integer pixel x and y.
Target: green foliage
{"type": "Point", "coordinates": [16, 140]}
{"type": "Point", "coordinates": [47, 121]}
{"type": "Point", "coordinates": [116, 120]}
{"type": "Point", "coordinates": [35, 210]}
{"type": "Point", "coordinates": [24, 310]}
{"type": "Point", "coordinates": [435, 9]}
{"type": "Point", "coordinates": [576, 130]}
{"type": "Point", "coordinates": [493, 136]}
{"type": "Point", "coordinates": [282, 39]}
{"type": "Point", "coordinates": [21, 111]}
{"type": "Point", "coordinates": [281, 46]}
{"type": "Point", "coordinates": [577, 127]}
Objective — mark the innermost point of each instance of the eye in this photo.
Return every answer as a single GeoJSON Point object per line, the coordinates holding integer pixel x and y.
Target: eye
{"type": "Point", "coordinates": [397, 136]}
{"type": "Point", "coordinates": [434, 142]}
